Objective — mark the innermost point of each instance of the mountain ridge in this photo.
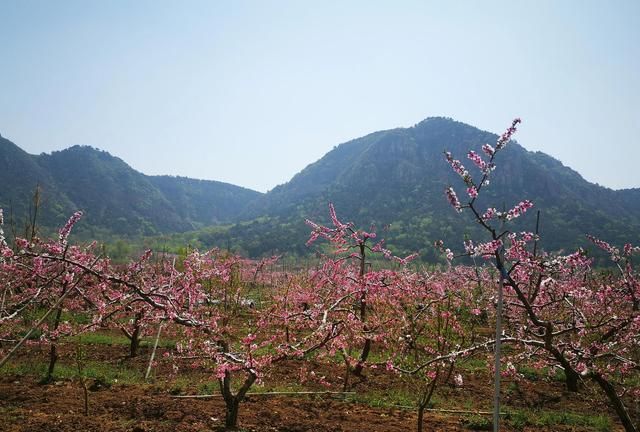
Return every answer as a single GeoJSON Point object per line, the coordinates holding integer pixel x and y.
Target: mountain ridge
{"type": "Point", "coordinates": [393, 178]}
{"type": "Point", "coordinates": [115, 197]}
{"type": "Point", "coordinates": [397, 177]}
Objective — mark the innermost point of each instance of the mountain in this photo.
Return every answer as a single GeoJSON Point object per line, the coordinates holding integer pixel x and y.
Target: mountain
{"type": "Point", "coordinates": [393, 179]}
{"type": "Point", "coordinates": [631, 199]}
{"type": "Point", "coordinates": [20, 174]}
{"type": "Point", "coordinates": [116, 198]}
{"type": "Point", "coordinates": [396, 179]}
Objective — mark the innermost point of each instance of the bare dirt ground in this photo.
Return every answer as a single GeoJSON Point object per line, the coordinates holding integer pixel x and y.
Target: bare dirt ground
{"type": "Point", "coordinates": [26, 405]}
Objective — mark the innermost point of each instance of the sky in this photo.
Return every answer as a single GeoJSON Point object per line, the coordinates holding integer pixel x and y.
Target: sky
{"type": "Point", "coordinates": [251, 92]}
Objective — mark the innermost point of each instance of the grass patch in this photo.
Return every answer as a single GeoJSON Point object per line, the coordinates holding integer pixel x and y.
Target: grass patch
{"type": "Point", "coordinates": [279, 387]}
{"type": "Point", "coordinates": [521, 418]}
{"type": "Point", "coordinates": [392, 398]}
{"type": "Point", "coordinates": [32, 315]}
{"type": "Point", "coordinates": [111, 339]}
{"type": "Point", "coordinates": [104, 372]}
{"type": "Point", "coordinates": [530, 373]}
{"type": "Point", "coordinates": [472, 365]}
{"type": "Point", "coordinates": [180, 385]}
{"type": "Point", "coordinates": [477, 422]}
{"type": "Point", "coordinates": [210, 387]}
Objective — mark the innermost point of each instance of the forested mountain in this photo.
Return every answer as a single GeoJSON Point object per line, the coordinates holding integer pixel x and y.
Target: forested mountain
{"type": "Point", "coordinates": [116, 198]}
{"type": "Point", "coordinates": [393, 179]}
{"type": "Point", "coordinates": [396, 179]}
{"type": "Point", "coordinates": [630, 199]}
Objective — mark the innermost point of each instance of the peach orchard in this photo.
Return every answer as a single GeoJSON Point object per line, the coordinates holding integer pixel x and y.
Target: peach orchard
{"type": "Point", "coordinates": [233, 318]}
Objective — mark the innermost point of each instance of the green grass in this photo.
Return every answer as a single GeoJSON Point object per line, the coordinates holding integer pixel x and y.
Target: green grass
{"type": "Point", "coordinates": [385, 399]}
{"type": "Point", "coordinates": [472, 364]}
{"type": "Point", "coordinates": [207, 388]}
{"type": "Point", "coordinates": [110, 339]}
{"type": "Point", "coordinates": [279, 387]}
{"type": "Point", "coordinates": [530, 373]}
{"type": "Point", "coordinates": [180, 385]}
{"type": "Point", "coordinates": [32, 315]}
{"type": "Point", "coordinates": [105, 372]}
{"type": "Point", "coordinates": [523, 418]}
{"type": "Point", "coordinates": [477, 422]}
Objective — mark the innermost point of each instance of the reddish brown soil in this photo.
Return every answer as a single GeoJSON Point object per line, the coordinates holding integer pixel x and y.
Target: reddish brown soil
{"type": "Point", "coordinates": [26, 405]}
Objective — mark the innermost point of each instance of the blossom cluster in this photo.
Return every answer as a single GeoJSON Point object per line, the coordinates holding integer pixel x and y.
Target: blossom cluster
{"type": "Point", "coordinates": [406, 260]}
{"type": "Point", "coordinates": [317, 231]}
{"type": "Point", "coordinates": [506, 136]}
{"type": "Point", "coordinates": [487, 249]}
{"type": "Point", "coordinates": [519, 210]}
{"type": "Point", "coordinates": [439, 245]}
{"type": "Point", "coordinates": [334, 218]}
{"type": "Point", "coordinates": [63, 234]}
{"type": "Point", "coordinates": [457, 166]}
{"type": "Point", "coordinates": [345, 237]}
{"type": "Point", "coordinates": [5, 250]}
{"type": "Point", "coordinates": [3, 243]}
{"type": "Point", "coordinates": [629, 249]}
{"type": "Point", "coordinates": [518, 245]}
{"type": "Point", "coordinates": [473, 188]}
{"type": "Point", "coordinates": [614, 251]}
{"type": "Point", "coordinates": [485, 167]}
{"type": "Point", "coordinates": [490, 214]}
{"type": "Point", "coordinates": [453, 199]}
{"type": "Point", "coordinates": [488, 150]}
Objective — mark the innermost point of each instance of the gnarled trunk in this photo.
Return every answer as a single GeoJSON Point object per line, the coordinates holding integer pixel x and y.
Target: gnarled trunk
{"type": "Point", "coordinates": [366, 349]}
{"type": "Point", "coordinates": [615, 400]}
{"type": "Point", "coordinates": [134, 336]}
{"type": "Point", "coordinates": [53, 350]}
{"type": "Point", "coordinates": [53, 358]}
{"type": "Point", "coordinates": [231, 416]}
{"type": "Point", "coordinates": [572, 379]}
{"type": "Point", "coordinates": [425, 398]}
{"type": "Point", "coordinates": [232, 402]}
{"type": "Point", "coordinates": [135, 343]}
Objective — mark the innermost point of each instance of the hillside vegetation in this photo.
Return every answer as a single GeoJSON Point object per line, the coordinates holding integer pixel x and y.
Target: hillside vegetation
{"type": "Point", "coordinates": [393, 179]}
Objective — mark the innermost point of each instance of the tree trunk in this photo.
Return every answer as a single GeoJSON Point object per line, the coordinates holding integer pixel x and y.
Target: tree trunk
{"type": "Point", "coordinates": [135, 342]}
{"type": "Point", "coordinates": [572, 380]}
{"type": "Point", "coordinates": [53, 351]}
{"type": "Point", "coordinates": [425, 398]}
{"type": "Point", "coordinates": [421, 417]}
{"type": "Point", "coordinates": [231, 401]}
{"type": "Point", "coordinates": [618, 406]}
{"type": "Point", "coordinates": [53, 358]}
{"type": "Point", "coordinates": [366, 349]}
{"type": "Point", "coordinates": [134, 336]}
{"type": "Point", "coordinates": [357, 371]}
{"type": "Point", "coordinates": [231, 417]}
{"type": "Point", "coordinates": [347, 372]}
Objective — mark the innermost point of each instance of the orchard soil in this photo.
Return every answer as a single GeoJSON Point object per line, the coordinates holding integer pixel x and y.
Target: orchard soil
{"type": "Point", "coordinates": [26, 405]}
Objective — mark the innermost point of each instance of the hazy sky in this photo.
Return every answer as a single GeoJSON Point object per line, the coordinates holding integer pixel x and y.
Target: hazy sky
{"type": "Point", "coordinates": [250, 92]}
